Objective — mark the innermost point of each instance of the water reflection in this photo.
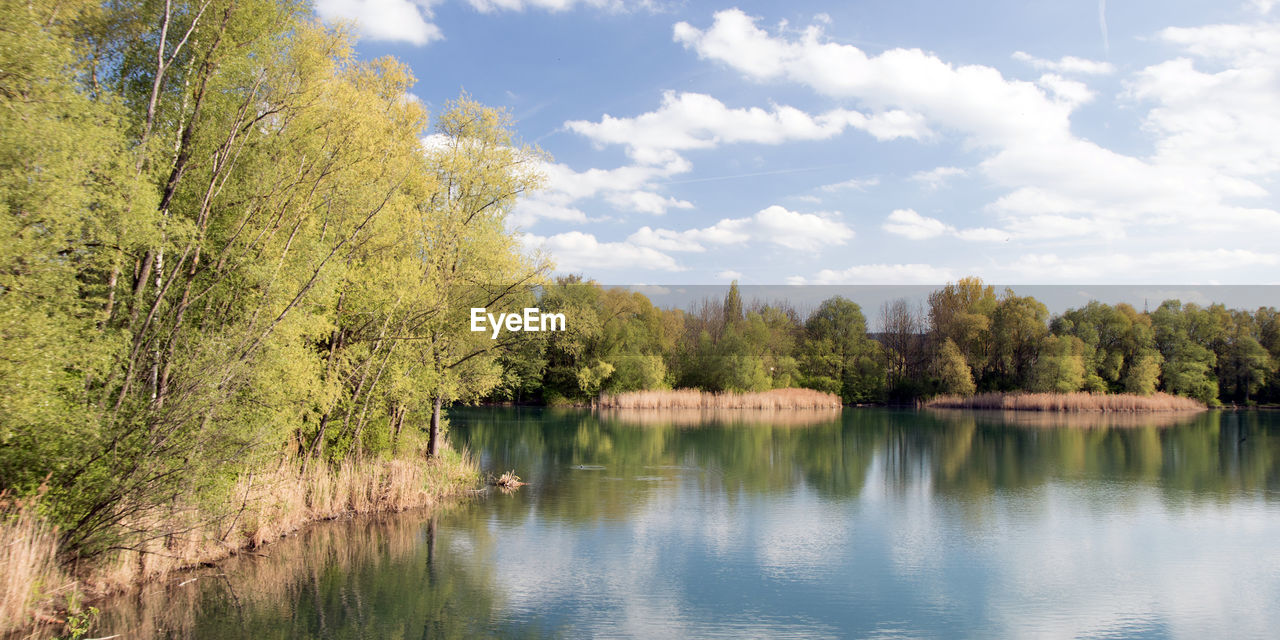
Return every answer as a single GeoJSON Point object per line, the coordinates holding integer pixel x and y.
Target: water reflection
{"type": "Point", "coordinates": [366, 577]}
{"type": "Point", "coordinates": [853, 523]}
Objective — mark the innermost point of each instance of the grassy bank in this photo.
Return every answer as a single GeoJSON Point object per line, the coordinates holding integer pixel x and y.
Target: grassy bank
{"type": "Point", "coordinates": [1068, 402]}
{"type": "Point", "coordinates": [40, 591]}
{"type": "Point", "coordinates": [695, 399]}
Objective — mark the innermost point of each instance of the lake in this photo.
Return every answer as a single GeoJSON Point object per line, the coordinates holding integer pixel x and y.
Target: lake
{"type": "Point", "coordinates": [875, 523]}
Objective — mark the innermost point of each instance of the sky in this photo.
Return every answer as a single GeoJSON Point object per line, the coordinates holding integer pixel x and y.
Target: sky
{"type": "Point", "coordinates": [879, 142]}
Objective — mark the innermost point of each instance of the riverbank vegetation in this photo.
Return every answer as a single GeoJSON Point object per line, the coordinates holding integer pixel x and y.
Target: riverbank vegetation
{"type": "Point", "coordinates": [967, 340]}
{"type": "Point", "coordinates": [1077, 402]}
{"type": "Point", "coordinates": [776, 399]}
{"type": "Point", "coordinates": [235, 266]}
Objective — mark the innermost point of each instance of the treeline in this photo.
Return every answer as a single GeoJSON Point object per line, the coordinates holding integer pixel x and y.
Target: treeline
{"type": "Point", "coordinates": [228, 246]}
{"type": "Point", "coordinates": [967, 339]}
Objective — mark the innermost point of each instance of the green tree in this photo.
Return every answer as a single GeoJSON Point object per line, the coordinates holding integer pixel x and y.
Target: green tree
{"type": "Point", "coordinates": [837, 353]}
{"type": "Point", "coordinates": [1183, 335]}
{"type": "Point", "coordinates": [1060, 367]}
{"type": "Point", "coordinates": [962, 312]}
{"type": "Point", "coordinates": [951, 370]}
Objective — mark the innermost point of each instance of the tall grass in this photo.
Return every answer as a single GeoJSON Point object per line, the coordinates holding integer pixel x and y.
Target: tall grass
{"type": "Point", "coordinates": [1079, 402]}
{"type": "Point", "coordinates": [695, 399]}
{"type": "Point", "coordinates": [29, 573]}
{"type": "Point", "coordinates": [261, 507]}
{"type": "Point", "coordinates": [723, 417]}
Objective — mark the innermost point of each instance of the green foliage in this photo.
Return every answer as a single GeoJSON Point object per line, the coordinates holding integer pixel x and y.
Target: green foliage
{"type": "Point", "coordinates": [836, 348]}
{"type": "Point", "coordinates": [224, 245]}
{"type": "Point", "coordinates": [1144, 375]}
{"type": "Point", "coordinates": [1060, 367]}
{"type": "Point", "coordinates": [951, 370]}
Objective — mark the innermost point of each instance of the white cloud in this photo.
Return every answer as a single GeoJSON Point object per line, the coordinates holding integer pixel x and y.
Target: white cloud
{"type": "Point", "coordinates": [386, 20]}
{"type": "Point", "coordinates": [575, 251]}
{"type": "Point", "coordinates": [729, 274]}
{"type": "Point", "coordinates": [1070, 92]}
{"type": "Point", "coordinates": [1066, 64]}
{"type": "Point", "coordinates": [1215, 131]}
{"type": "Point", "coordinates": [411, 20]}
{"type": "Point", "coordinates": [667, 240]}
{"type": "Point", "coordinates": [772, 225]}
{"type": "Point", "coordinates": [972, 98]}
{"type": "Point", "coordinates": [628, 188]}
{"type": "Point", "coordinates": [855, 184]}
{"type": "Point", "coordinates": [490, 6]}
{"type": "Point", "coordinates": [1228, 120]}
{"type": "Point", "coordinates": [880, 274]}
{"type": "Point", "coordinates": [687, 121]}
{"type": "Point", "coordinates": [909, 224]}
{"type": "Point", "coordinates": [934, 179]}
{"type": "Point", "coordinates": [1154, 267]}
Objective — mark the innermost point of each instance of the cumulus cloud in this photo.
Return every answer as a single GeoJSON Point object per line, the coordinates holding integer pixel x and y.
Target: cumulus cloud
{"type": "Point", "coordinates": [576, 251]}
{"type": "Point", "coordinates": [909, 224]}
{"type": "Point", "coordinates": [556, 6]}
{"type": "Point", "coordinates": [1227, 119]}
{"type": "Point", "coordinates": [387, 20]}
{"type": "Point", "coordinates": [687, 121]}
{"type": "Point", "coordinates": [1215, 130]}
{"type": "Point", "coordinates": [934, 179]}
{"type": "Point", "coordinates": [410, 21]}
{"type": "Point", "coordinates": [1066, 64]}
{"type": "Point", "coordinates": [729, 274]}
{"type": "Point", "coordinates": [913, 273]}
{"type": "Point", "coordinates": [1153, 267]}
{"type": "Point", "coordinates": [853, 184]}
{"type": "Point", "coordinates": [627, 188]}
{"type": "Point", "coordinates": [772, 225]}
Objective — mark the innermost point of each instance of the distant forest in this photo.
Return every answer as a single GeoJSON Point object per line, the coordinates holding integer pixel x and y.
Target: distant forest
{"type": "Point", "coordinates": [967, 338]}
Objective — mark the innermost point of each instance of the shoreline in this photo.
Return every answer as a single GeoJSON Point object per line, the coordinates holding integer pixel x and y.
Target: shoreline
{"type": "Point", "coordinates": [1077, 402]}
{"type": "Point", "coordinates": [276, 505]}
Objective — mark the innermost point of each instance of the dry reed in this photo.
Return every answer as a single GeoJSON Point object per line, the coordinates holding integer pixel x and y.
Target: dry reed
{"type": "Point", "coordinates": [262, 507]}
{"type": "Point", "coordinates": [1079, 402]}
{"type": "Point", "coordinates": [724, 417]}
{"type": "Point", "coordinates": [508, 480]}
{"type": "Point", "coordinates": [29, 573]}
{"type": "Point", "coordinates": [776, 399]}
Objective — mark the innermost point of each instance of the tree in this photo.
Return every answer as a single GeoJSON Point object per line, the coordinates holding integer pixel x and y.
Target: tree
{"type": "Point", "coordinates": [1143, 375]}
{"type": "Point", "coordinates": [962, 313]}
{"type": "Point", "coordinates": [469, 260]}
{"type": "Point", "coordinates": [1060, 367]}
{"type": "Point", "coordinates": [1018, 325]}
{"type": "Point", "coordinates": [951, 370]}
{"type": "Point", "coordinates": [902, 334]}
{"type": "Point", "coordinates": [836, 352]}
{"type": "Point", "coordinates": [1183, 335]}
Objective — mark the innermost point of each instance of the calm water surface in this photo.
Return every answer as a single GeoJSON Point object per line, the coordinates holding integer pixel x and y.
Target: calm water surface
{"type": "Point", "coordinates": [861, 523]}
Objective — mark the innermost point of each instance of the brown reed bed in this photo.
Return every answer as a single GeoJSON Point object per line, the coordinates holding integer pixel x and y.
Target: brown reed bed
{"type": "Point", "coordinates": [723, 417]}
{"type": "Point", "coordinates": [262, 507]}
{"type": "Point", "coordinates": [775, 399]}
{"type": "Point", "coordinates": [1079, 402]}
{"type": "Point", "coordinates": [29, 572]}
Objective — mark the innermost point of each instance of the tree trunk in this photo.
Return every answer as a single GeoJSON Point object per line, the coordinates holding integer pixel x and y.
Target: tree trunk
{"type": "Point", "coordinates": [433, 441]}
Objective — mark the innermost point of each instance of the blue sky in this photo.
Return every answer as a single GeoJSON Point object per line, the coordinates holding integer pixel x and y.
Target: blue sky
{"type": "Point", "coordinates": [887, 142]}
